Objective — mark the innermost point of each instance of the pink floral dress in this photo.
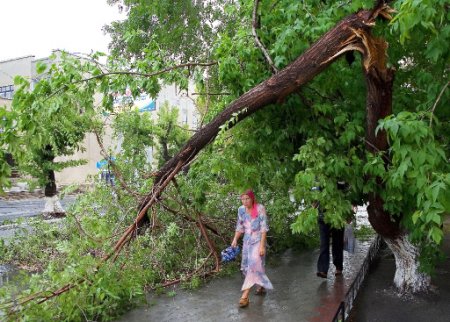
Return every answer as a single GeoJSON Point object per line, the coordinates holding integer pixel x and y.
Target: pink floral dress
{"type": "Point", "coordinates": [252, 265]}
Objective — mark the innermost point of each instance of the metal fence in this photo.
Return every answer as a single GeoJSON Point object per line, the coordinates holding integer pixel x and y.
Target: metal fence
{"type": "Point", "coordinates": [346, 305]}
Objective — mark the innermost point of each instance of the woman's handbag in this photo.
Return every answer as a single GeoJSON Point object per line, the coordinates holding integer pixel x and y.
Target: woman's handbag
{"type": "Point", "coordinates": [349, 239]}
{"type": "Point", "coordinates": [230, 253]}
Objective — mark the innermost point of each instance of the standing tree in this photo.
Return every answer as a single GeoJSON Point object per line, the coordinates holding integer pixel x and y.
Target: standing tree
{"type": "Point", "coordinates": [48, 122]}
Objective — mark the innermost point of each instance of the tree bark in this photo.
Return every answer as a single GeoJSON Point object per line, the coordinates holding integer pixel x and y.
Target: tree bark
{"type": "Point", "coordinates": [50, 184]}
{"type": "Point", "coordinates": [408, 278]}
{"type": "Point", "coordinates": [379, 81]}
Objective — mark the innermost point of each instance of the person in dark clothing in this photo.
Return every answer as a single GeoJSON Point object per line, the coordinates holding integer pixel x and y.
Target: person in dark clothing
{"type": "Point", "coordinates": [337, 249]}
{"type": "Point", "coordinates": [337, 245]}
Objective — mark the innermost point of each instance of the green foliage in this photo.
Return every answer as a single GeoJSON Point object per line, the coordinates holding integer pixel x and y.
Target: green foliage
{"type": "Point", "coordinates": [66, 251]}
{"type": "Point", "coordinates": [171, 136]}
{"type": "Point", "coordinates": [426, 20]}
{"type": "Point", "coordinates": [192, 26]}
{"type": "Point", "coordinates": [417, 179]}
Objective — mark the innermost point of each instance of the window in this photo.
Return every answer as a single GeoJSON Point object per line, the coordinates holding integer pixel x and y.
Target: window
{"type": "Point", "coordinates": [7, 91]}
{"type": "Point", "coordinates": [184, 116]}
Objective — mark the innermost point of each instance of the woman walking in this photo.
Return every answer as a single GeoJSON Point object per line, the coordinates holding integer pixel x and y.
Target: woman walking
{"type": "Point", "coordinates": [252, 222]}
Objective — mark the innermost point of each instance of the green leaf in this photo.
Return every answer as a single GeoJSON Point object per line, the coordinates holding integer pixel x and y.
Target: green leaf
{"type": "Point", "coordinates": [40, 67]}
{"type": "Point", "coordinates": [416, 216]}
{"type": "Point", "coordinates": [436, 234]}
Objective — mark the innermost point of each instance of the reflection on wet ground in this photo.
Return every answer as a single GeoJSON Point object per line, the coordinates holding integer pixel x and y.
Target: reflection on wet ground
{"type": "Point", "coordinates": [298, 295]}
{"type": "Point", "coordinates": [9, 274]}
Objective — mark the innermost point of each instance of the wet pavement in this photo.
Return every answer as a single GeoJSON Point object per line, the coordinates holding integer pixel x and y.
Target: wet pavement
{"type": "Point", "coordinates": [379, 302]}
{"type": "Point", "coordinates": [14, 209]}
{"type": "Point", "coordinates": [6, 274]}
{"type": "Point", "coordinates": [298, 295]}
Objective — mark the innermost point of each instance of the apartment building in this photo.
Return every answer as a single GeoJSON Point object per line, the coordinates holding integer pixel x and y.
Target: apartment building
{"type": "Point", "coordinates": [26, 67]}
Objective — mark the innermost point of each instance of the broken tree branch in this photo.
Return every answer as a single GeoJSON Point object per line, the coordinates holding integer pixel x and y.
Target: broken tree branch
{"type": "Point", "coordinates": [437, 101]}
{"type": "Point", "coordinates": [255, 25]}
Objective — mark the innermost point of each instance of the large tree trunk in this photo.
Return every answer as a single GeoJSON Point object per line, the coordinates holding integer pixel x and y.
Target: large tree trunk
{"type": "Point", "coordinates": [407, 277]}
{"type": "Point", "coordinates": [53, 207]}
{"type": "Point", "coordinates": [379, 80]}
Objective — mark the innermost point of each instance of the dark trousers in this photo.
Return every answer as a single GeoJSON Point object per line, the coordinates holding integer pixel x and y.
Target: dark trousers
{"type": "Point", "coordinates": [337, 236]}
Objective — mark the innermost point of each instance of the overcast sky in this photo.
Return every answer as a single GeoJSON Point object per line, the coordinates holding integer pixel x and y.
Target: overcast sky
{"type": "Point", "coordinates": [36, 27]}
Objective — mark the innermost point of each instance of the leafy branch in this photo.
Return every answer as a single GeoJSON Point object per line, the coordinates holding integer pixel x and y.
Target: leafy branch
{"type": "Point", "coordinates": [128, 73]}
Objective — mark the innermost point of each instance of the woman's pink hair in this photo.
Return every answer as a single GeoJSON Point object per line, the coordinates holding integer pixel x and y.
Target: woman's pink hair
{"type": "Point", "coordinates": [251, 195]}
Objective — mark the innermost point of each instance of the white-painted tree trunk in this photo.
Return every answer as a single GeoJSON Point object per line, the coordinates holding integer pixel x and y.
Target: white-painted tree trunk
{"type": "Point", "coordinates": [407, 278]}
{"type": "Point", "coordinates": [53, 206]}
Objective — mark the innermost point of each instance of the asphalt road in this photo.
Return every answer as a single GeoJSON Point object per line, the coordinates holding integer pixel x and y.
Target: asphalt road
{"type": "Point", "coordinates": [11, 210]}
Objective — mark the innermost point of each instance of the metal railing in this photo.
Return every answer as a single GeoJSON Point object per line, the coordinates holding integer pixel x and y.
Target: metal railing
{"type": "Point", "coordinates": [347, 304]}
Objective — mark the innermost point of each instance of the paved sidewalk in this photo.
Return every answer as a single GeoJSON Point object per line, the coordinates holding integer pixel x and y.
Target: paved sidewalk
{"type": "Point", "coordinates": [299, 295]}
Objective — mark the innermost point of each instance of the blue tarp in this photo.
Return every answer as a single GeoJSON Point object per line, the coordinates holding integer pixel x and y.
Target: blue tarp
{"type": "Point", "coordinates": [103, 163]}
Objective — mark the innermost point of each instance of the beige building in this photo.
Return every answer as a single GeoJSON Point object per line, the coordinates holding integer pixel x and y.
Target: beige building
{"type": "Point", "coordinates": [26, 67]}
{"type": "Point", "coordinates": [5, 102]}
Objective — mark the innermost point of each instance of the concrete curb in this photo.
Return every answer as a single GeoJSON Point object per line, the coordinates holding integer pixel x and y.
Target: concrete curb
{"type": "Point", "coordinates": [347, 304]}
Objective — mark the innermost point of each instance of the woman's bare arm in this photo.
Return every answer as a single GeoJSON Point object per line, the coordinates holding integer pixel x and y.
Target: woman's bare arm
{"type": "Point", "coordinates": [237, 235]}
{"type": "Point", "coordinates": [262, 244]}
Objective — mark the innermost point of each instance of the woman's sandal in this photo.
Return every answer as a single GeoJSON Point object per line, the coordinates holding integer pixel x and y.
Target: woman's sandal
{"type": "Point", "coordinates": [243, 302]}
{"type": "Point", "coordinates": [260, 291]}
